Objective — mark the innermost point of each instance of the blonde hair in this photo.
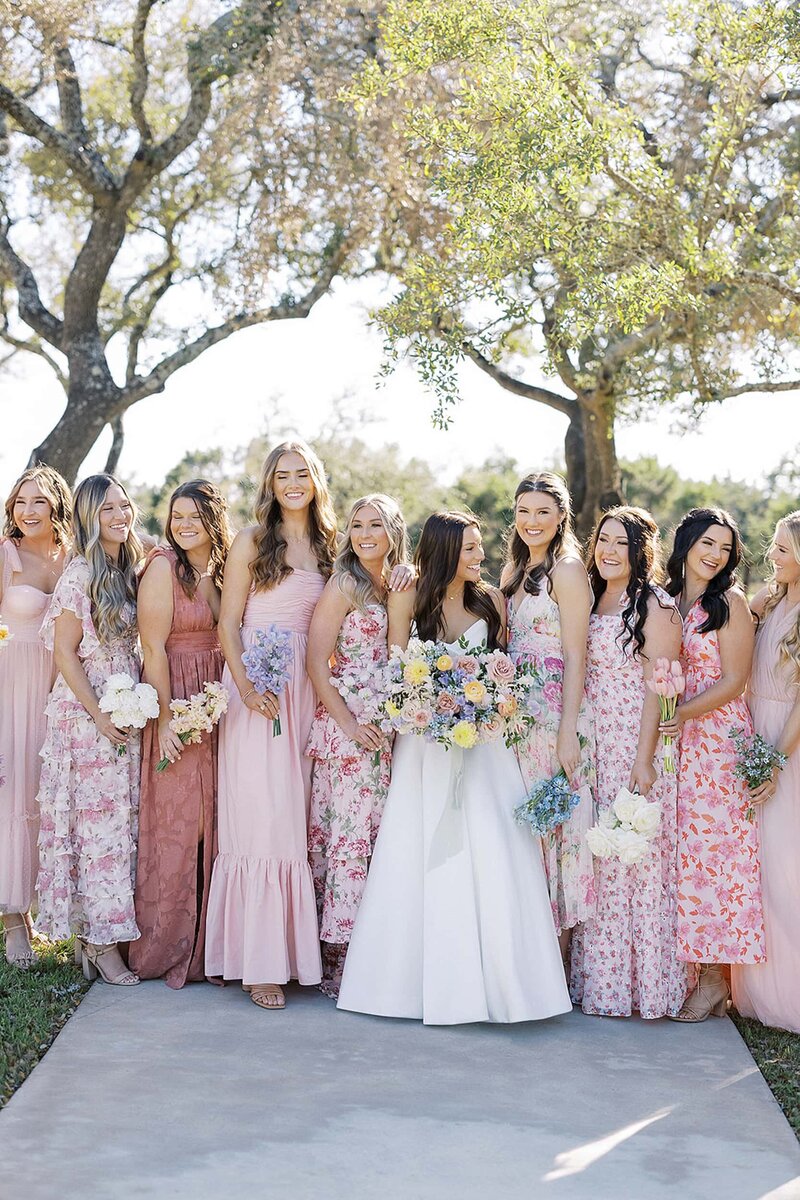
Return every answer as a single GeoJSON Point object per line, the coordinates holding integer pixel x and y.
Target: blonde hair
{"type": "Point", "coordinates": [353, 580]}
{"type": "Point", "coordinates": [55, 488]}
{"type": "Point", "coordinates": [112, 586]}
{"type": "Point", "coordinates": [789, 646]}
{"type": "Point", "coordinates": [269, 565]}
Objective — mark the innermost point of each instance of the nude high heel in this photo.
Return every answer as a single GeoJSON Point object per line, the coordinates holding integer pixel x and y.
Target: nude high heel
{"type": "Point", "coordinates": [710, 997]}
{"type": "Point", "coordinates": [92, 964]}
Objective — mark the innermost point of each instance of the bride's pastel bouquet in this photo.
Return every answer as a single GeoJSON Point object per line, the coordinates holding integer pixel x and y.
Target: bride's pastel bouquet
{"type": "Point", "coordinates": [548, 805]}
{"type": "Point", "coordinates": [756, 759]}
{"type": "Point", "coordinates": [129, 704]}
{"type": "Point", "coordinates": [625, 830]}
{"type": "Point", "coordinates": [365, 690]}
{"type": "Point", "coordinates": [198, 715]}
{"type": "Point", "coordinates": [668, 683]}
{"type": "Point", "coordinates": [268, 664]}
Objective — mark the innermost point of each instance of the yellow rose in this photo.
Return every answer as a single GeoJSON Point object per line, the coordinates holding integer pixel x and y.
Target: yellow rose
{"type": "Point", "coordinates": [444, 662]}
{"type": "Point", "coordinates": [416, 671]}
{"type": "Point", "coordinates": [392, 709]}
{"type": "Point", "coordinates": [474, 691]}
{"type": "Point", "coordinates": [464, 735]}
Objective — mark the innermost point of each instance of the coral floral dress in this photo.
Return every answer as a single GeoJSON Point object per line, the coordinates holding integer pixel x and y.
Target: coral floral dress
{"type": "Point", "coordinates": [719, 886]}
{"type": "Point", "coordinates": [171, 893]}
{"type": "Point", "coordinates": [89, 794]}
{"type": "Point", "coordinates": [534, 638]}
{"type": "Point", "coordinates": [348, 788]}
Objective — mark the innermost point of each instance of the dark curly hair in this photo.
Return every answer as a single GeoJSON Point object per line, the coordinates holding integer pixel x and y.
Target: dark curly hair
{"type": "Point", "coordinates": [714, 599]}
{"type": "Point", "coordinates": [644, 558]}
{"type": "Point", "coordinates": [213, 509]}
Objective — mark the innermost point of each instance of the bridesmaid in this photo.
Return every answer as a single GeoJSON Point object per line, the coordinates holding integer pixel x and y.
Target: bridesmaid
{"type": "Point", "coordinates": [719, 889]}
{"type": "Point", "coordinates": [349, 786]}
{"type": "Point", "coordinates": [32, 554]}
{"type": "Point", "coordinates": [770, 991]}
{"type": "Point", "coordinates": [624, 959]}
{"type": "Point", "coordinates": [549, 602]}
{"type": "Point", "coordinates": [262, 921]}
{"type": "Point", "coordinates": [178, 609]}
{"type": "Point", "coordinates": [89, 791]}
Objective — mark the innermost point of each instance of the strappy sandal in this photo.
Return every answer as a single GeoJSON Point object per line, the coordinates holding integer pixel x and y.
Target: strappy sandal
{"type": "Point", "coordinates": [23, 960]}
{"type": "Point", "coordinates": [92, 963]}
{"type": "Point", "coordinates": [710, 997]}
{"type": "Point", "coordinates": [267, 995]}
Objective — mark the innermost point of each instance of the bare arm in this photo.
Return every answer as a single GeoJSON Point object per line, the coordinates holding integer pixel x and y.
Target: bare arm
{"type": "Point", "coordinates": [235, 591]}
{"type": "Point", "coordinates": [331, 610]}
{"type": "Point", "coordinates": [662, 639]}
{"type": "Point", "coordinates": [574, 598]}
{"type": "Point", "coordinates": [154, 612]}
{"type": "Point", "coordinates": [67, 635]}
{"type": "Point", "coordinates": [400, 609]}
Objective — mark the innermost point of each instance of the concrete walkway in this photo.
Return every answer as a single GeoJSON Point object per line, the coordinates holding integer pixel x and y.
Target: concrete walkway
{"type": "Point", "coordinates": [191, 1095]}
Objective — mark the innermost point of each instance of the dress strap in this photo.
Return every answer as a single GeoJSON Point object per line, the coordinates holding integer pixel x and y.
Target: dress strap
{"type": "Point", "coordinates": [10, 561]}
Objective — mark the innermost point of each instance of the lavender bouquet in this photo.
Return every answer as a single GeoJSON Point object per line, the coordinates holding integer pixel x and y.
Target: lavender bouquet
{"type": "Point", "coordinates": [756, 759]}
{"type": "Point", "coordinates": [549, 804]}
{"type": "Point", "coordinates": [268, 664]}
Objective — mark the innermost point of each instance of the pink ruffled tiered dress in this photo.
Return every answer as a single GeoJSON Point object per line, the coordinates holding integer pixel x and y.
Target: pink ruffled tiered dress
{"type": "Point", "coordinates": [262, 917]}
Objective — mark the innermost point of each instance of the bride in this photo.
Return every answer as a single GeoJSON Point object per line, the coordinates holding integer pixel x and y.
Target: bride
{"type": "Point", "coordinates": [455, 922]}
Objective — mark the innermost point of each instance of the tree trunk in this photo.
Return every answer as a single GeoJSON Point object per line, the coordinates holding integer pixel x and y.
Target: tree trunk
{"type": "Point", "coordinates": [93, 401]}
{"type": "Point", "coordinates": [602, 484]}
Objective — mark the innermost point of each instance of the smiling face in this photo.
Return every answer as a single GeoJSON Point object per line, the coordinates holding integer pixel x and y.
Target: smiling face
{"type": "Point", "coordinates": [187, 528]}
{"type": "Point", "coordinates": [785, 566]}
{"type": "Point", "coordinates": [471, 556]}
{"type": "Point", "coordinates": [32, 511]}
{"type": "Point", "coordinates": [292, 483]}
{"type": "Point", "coordinates": [711, 553]}
{"type": "Point", "coordinates": [116, 520]}
{"type": "Point", "coordinates": [369, 538]}
{"type": "Point", "coordinates": [536, 518]}
{"type": "Point", "coordinates": [611, 554]}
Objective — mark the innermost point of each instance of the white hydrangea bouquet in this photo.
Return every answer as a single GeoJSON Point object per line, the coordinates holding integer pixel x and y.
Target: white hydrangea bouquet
{"type": "Point", "coordinates": [129, 704]}
{"type": "Point", "coordinates": [198, 715]}
{"type": "Point", "coordinates": [625, 830]}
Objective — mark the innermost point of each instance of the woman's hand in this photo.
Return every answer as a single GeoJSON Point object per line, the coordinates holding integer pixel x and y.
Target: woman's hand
{"type": "Point", "coordinates": [108, 729]}
{"type": "Point", "coordinates": [403, 577]}
{"type": "Point", "coordinates": [265, 703]}
{"type": "Point", "coordinates": [368, 736]}
{"type": "Point", "coordinates": [765, 790]}
{"type": "Point", "coordinates": [643, 776]}
{"type": "Point", "coordinates": [568, 751]}
{"type": "Point", "coordinates": [169, 744]}
{"type": "Point", "coordinates": [672, 728]}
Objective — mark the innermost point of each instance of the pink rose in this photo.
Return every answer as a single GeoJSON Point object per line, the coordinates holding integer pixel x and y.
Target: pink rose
{"type": "Point", "coordinates": [447, 704]}
{"type": "Point", "coordinates": [467, 663]}
{"type": "Point", "coordinates": [421, 718]}
{"type": "Point", "coordinates": [492, 728]}
{"type": "Point", "coordinates": [500, 668]}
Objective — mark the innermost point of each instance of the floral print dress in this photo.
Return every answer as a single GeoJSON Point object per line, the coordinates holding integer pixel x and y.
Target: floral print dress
{"type": "Point", "coordinates": [348, 788]}
{"type": "Point", "coordinates": [88, 795]}
{"type": "Point", "coordinates": [535, 640]}
{"type": "Point", "coordinates": [624, 959]}
{"type": "Point", "coordinates": [720, 917]}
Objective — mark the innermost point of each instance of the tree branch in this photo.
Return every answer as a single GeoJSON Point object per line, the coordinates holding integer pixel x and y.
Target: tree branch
{"type": "Point", "coordinates": [35, 347]}
{"type": "Point", "coordinates": [31, 308]}
{"type": "Point", "coordinates": [85, 165]}
{"type": "Point", "coordinates": [757, 385]}
{"type": "Point", "coordinates": [140, 71]}
{"type": "Point", "coordinates": [69, 96]}
{"type": "Point", "coordinates": [765, 279]}
{"type": "Point", "coordinates": [563, 404]}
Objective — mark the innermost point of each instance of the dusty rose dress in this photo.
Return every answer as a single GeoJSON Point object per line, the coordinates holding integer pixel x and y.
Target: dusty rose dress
{"type": "Point", "coordinates": [534, 637]}
{"type": "Point", "coordinates": [348, 789]}
{"type": "Point", "coordinates": [719, 886]}
{"type": "Point", "coordinates": [171, 892]}
{"type": "Point", "coordinates": [89, 795]}
{"type": "Point", "coordinates": [770, 991]}
{"type": "Point", "coordinates": [262, 918]}
{"type": "Point", "coordinates": [624, 959]}
{"type": "Point", "coordinates": [26, 676]}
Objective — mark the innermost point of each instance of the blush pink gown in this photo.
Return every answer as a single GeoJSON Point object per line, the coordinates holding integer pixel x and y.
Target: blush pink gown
{"type": "Point", "coordinates": [26, 676]}
{"type": "Point", "coordinates": [262, 916]}
{"type": "Point", "coordinates": [770, 991]}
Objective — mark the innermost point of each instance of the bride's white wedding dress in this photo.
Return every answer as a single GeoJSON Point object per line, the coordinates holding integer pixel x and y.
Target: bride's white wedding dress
{"type": "Point", "coordinates": [455, 923]}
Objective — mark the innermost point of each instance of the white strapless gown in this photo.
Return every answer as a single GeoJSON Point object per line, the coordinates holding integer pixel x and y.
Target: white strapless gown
{"type": "Point", "coordinates": [455, 922]}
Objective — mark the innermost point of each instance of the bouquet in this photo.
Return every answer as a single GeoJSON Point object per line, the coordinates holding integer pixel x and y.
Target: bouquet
{"type": "Point", "coordinates": [268, 664]}
{"type": "Point", "coordinates": [549, 804]}
{"type": "Point", "coordinates": [756, 760]}
{"type": "Point", "coordinates": [5, 635]}
{"type": "Point", "coordinates": [198, 715]}
{"type": "Point", "coordinates": [667, 681]}
{"type": "Point", "coordinates": [625, 830]}
{"type": "Point", "coordinates": [364, 690]}
{"type": "Point", "coordinates": [129, 704]}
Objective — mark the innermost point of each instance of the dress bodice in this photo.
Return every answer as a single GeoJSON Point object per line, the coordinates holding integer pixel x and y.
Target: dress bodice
{"type": "Point", "coordinates": [699, 653]}
{"type": "Point", "coordinates": [362, 639]}
{"type": "Point", "coordinates": [534, 626]}
{"type": "Point", "coordinates": [22, 606]}
{"type": "Point", "coordinates": [475, 635]}
{"type": "Point", "coordinates": [193, 625]}
{"type": "Point", "coordinates": [289, 604]}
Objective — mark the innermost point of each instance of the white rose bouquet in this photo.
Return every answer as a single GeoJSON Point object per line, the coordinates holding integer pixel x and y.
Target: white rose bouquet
{"type": "Point", "coordinates": [129, 704]}
{"type": "Point", "coordinates": [625, 830]}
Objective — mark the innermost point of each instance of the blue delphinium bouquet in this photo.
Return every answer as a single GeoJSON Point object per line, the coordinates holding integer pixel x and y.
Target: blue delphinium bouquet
{"type": "Point", "coordinates": [548, 805]}
{"type": "Point", "coordinates": [268, 664]}
{"type": "Point", "coordinates": [756, 759]}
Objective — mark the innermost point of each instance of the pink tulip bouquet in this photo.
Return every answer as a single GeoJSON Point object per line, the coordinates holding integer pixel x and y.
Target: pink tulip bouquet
{"type": "Point", "coordinates": [668, 683]}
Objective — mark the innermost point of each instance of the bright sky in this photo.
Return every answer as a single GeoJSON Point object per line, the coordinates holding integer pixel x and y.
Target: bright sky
{"type": "Point", "coordinates": [308, 364]}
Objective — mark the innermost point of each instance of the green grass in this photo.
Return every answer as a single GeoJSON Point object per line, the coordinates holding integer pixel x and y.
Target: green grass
{"type": "Point", "coordinates": [34, 1005]}
{"type": "Point", "coordinates": [777, 1054]}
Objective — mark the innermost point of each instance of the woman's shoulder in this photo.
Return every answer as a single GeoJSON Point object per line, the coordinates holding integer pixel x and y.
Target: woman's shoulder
{"type": "Point", "coordinates": [76, 570]}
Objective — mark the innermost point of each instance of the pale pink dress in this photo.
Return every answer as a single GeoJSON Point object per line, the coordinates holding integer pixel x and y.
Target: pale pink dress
{"type": "Point", "coordinates": [535, 639]}
{"type": "Point", "coordinates": [262, 918]}
{"type": "Point", "coordinates": [26, 676]}
{"type": "Point", "coordinates": [624, 959]}
{"type": "Point", "coordinates": [719, 886]}
{"type": "Point", "coordinates": [770, 991]}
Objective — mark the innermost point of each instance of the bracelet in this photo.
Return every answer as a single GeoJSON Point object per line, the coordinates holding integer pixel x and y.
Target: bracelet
{"type": "Point", "coordinates": [250, 693]}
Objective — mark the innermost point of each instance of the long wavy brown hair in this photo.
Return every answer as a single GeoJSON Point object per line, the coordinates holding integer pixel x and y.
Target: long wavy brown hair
{"type": "Point", "coordinates": [564, 543]}
{"type": "Point", "coordinates": [213, 509]}
{"type": "Point", "coordinates": [645, 563]}
{"type": "Point", "coordinates": [269, 565]}
{"type": "Point", "coordinates": [436, 559]}
{"type": "Point", "coordinates": [56, 489]}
